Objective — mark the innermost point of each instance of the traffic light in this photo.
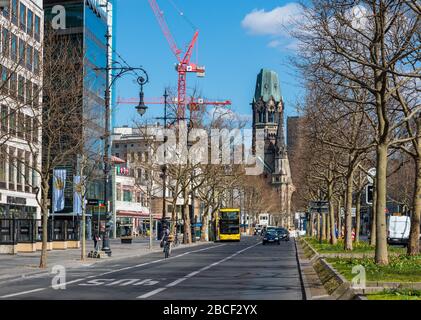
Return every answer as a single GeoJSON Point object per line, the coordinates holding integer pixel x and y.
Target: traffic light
{"type": "Point", "coordinates": [369, 191]}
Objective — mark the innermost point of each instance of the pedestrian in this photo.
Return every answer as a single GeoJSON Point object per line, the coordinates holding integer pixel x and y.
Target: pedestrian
{"type": "Point", "coordinates": [96, 241]}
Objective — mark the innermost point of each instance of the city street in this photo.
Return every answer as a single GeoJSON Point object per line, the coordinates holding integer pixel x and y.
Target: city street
{"type": "Point", "coordinates": [242, 271]}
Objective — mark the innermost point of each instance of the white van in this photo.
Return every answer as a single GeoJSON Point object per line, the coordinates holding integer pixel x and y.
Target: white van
{"type": "Point", "coordinates": [398, 230]}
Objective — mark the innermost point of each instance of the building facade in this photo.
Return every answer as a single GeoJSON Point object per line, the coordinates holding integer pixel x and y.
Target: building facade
{"type": "Point", "coordinates": [268, 115]}
{"type": "Point", "coordinates": [87, 22]}
{"type": "Point", "coordinates": [21, 39]}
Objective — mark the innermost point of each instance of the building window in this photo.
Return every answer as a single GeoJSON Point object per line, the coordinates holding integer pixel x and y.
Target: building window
{"type": "Point", "coordinates": [36, 95]}
{"type": "Point", "coordinates": [22, 14]}
{"type": "Point", "coordinates": [19, 171]}
{"type": "Point", "coordinates": [11, 168]}
{"type": "Point", "coordinates": [271, 117]}
{"type": "Point", "coordinates": [4, 80]}
{"type": "Point", "coordinates": [21, 89]}
{"type": "Point", "coordinates": [36, 61]}
{"type": "Point", "coordinates": [4, 120]}
{"type": "Point", "coordinates": [6, 12]}
{"type": "Point", "coordinates": [29, 58]}
{"type": "Point", "coordinates": [30, 29]}
{"type": "Point", "coordinates": [261, 116]}
{"type": "Point", "coordinates": [28, 92]}
{"type": "Point", "coordinates": [21, 125]}
{"type": "Point", "coordinates": [5, 42]}
{"type": "Point", "coordinates": [12, 123]}
{"type": "Point", "coordinates": [37, 28]}
{"type": "Point", "coordinates": [35, 130]}
{"type": "Point", "coordinates": [15, 12]}
{"type": "Point", "coordinates": [127, 196]}
{"type": "Point", "coordinates": [14, 48]}
{"type": "Point", "coordinates": [13, 84]}
{"type": "Point", "coordinates": [117, 146]}
{"type": "Point", "coordinates": [3, 161]}
{"type": "Point", "coordinates": [22, 52]}
{"type": "Point", "coordinates": [28, 128]}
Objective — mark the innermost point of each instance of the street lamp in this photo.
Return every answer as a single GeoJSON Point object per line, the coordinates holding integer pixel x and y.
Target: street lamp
{"type": "Point", "coordinates": [142, 108]}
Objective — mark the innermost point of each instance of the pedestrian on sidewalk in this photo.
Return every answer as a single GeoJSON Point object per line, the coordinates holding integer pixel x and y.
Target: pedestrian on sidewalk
{"type": "Point", "coordinates": [96, 241]}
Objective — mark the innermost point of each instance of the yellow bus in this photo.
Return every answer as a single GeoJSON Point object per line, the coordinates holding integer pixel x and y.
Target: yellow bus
{"type": "Point", "coordinates": [228, 225]}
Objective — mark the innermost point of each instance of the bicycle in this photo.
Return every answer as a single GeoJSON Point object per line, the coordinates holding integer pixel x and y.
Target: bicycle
{"type": "Point", "coordinates": [167, 247]}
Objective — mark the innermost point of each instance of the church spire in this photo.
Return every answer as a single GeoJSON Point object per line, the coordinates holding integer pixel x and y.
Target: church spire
{"type": "Point", "coordinates": [280, 135]}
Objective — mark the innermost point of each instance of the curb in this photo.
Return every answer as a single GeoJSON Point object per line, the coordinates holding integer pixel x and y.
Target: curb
{"type": "Point", "coordinates": [303, 279]}
{"type": "Point", "coordinates": [344, 291]}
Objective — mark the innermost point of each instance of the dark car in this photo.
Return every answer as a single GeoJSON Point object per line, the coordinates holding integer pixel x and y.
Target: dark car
{"type": "Point", "coordinates": [270, 236]}
{"type": "Point", "coordinates": [283, 234]}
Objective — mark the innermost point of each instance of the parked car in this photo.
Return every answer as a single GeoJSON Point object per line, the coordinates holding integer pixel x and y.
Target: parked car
{"type": "Point", "coordinates": [283, 234]}
{"type": "Point", "coordinates": [271, 236]}
{"type": "Point", "coordinates": [398, 230]}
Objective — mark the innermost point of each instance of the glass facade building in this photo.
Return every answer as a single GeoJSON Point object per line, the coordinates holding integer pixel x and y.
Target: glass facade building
{"type": "Point", "coordinates": [87, 22]}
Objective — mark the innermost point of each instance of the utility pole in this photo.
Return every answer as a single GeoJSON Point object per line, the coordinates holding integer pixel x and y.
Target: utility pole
{"type": "Point", "coordinates": [106, 241]}
{"type": "Point", "coordinates": [164, 167]}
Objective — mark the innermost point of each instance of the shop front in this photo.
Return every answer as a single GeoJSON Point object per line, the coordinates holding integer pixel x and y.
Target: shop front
{"type": "Point", "coordinates": [18, 226]}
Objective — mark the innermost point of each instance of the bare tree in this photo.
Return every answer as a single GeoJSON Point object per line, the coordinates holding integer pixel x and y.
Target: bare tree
{"type": "Point", "coordinates": [365, 43]}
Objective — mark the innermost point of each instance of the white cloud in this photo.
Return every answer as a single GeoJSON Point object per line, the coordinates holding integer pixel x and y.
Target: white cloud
{"type": "Point", "coordinates": [276, 23]}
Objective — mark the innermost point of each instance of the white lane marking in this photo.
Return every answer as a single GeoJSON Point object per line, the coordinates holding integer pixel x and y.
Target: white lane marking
{"type": "Point", "coordinates": [152, 293]}
{"type": "Point", "coordinates": [174, 283]}
{"type": "Point", "coordinates": [21, 293]}
{"type": "Point", "coordinates": [113, 271]}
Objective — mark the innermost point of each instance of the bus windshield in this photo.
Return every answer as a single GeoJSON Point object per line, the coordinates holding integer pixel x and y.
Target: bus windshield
{"type": "Point", "coordinates": [227, 227]}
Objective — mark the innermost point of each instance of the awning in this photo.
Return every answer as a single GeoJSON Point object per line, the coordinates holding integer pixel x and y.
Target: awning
{"type": "Point", "coordinates": [117, 160]}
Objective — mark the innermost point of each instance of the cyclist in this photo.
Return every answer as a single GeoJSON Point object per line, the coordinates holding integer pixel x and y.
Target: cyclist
{"type": "Point", "coordinates": [166, 241]}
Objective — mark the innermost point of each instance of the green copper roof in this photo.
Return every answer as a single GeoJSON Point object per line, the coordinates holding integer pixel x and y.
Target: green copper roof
{"type": "Point", "coordinates": [267, 86]}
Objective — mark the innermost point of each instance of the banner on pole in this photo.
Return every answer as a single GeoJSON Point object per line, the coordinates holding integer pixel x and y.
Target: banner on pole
{"type": "Point", "coordinates": [59, 184]}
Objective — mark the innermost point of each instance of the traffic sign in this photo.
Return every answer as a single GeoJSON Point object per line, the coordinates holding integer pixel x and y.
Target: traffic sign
{"type": "Point", "coordinates": [371, 175]}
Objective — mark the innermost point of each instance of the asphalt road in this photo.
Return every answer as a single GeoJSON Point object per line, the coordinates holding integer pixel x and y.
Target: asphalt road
{"type": "Point", "coordinates": [245, 270]}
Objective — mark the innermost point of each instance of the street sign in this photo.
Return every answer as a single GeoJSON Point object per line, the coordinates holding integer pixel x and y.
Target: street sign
{"type": "Point", "coordinates": [95, 203]}
{"type": "Point", "coordinates": [371, 175]}
{"type": "Point", "coordinates": [369, 194]}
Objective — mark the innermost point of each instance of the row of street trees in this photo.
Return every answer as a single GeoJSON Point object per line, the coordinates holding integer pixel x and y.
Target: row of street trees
{"type": "Point", "coordinates": [360, 63]}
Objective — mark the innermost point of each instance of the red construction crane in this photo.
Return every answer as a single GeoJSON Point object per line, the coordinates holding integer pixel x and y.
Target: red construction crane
{"type": "Point", "coordinates": [184, 65]}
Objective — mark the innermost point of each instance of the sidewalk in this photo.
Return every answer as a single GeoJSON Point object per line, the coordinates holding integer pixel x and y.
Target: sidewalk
{"type": "Point", "coordinates": [26, 264]}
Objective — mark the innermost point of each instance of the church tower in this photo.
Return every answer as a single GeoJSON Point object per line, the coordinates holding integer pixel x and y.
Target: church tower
{"type": "Point", "coordinates": [268, 115]}
{"type": "Point", "coordinates": [267, 108]}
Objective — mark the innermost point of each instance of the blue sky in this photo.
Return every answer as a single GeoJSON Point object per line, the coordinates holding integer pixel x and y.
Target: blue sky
{"type": "Point", "coordinates": [237, 38]}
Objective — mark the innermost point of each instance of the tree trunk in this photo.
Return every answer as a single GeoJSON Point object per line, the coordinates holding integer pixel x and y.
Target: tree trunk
{"type": "Point", "coordinates": [381, 236]}
{"type": "Point", "coordinates": [204, 236]}
{"type": "Point", "coordinates": [187, 227]}
{"type": "Point", "coordinates": [358, 217]}
{"type": "Point", "coordinates": [44, 212]}
{"type": "Point", "coordinates": [414, 236]}
{"type": "Point", "coordinates": [323, 226]}
{"type": "Point", "coordinates": [332, 237]}
{"type": "Point", "coordinates": [348, 211]}
{"type": "Point", "coordinates": [339, 221]}
{"type": "Point", "coordinates": [319, 227]}
{"type": "Point", "coordinates": [310, 224]}
{"type": "Point", "coordinates": [328, 233]}
{"type": "Point", "coordinates": [82, 234]}
{"type": "Point", "coordinates": [373, 216]}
